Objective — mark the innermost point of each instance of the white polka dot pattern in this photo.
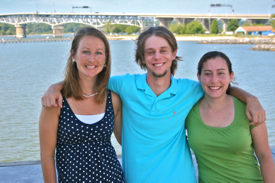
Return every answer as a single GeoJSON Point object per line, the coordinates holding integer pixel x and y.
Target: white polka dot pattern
{"type": "Point", "coordinates": [84, 152]}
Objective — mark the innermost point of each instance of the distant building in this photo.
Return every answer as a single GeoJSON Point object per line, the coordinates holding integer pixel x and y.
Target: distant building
{"type": "Point", "coordinates": [255, 30]}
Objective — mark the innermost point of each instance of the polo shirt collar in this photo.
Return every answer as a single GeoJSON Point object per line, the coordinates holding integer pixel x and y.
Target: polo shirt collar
{"type": "Point", "coordinates": [174, 88]}
{"type": "Point", "coordinates": [142, 84]}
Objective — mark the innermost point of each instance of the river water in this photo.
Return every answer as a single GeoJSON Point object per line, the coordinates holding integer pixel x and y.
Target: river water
{"type": "Point", "coordinates": [28, 69]}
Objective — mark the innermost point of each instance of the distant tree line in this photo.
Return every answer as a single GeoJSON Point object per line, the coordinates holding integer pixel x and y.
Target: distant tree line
{"type": "Point", "coordinates": [195, 27]}
{"type": "Point", "coordinates": [73, 27]}
{"type": "Point", "coordinates": [269, 22]}
{"type": "Point", "coordinates": [7, 29]}
{"type": "Point", "coordinates": [38, 28]}
{"type": "Point", "coordinates": [41, 28]}
{"type": "Point", "coordinates": [120, 28]}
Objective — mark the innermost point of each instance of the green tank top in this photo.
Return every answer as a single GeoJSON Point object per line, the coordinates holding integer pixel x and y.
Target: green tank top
{"type": "Point", "coordinates": [223, 154]}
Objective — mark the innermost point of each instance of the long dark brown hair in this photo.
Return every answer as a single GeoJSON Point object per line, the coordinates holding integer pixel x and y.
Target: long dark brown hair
{"type": "Point", "coordinates": [71, 83]}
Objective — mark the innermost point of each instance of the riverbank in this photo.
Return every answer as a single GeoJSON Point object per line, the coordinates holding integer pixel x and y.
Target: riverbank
{"type": "Point", "coordinates": [30, 171]}
{"type": "Point", "coordinates": [35, 40]}
{"type": "Point", "coordinates": [239, 41]}
{"type": "Point", "coordinates": [200, 39]}
{"type": "Point", "coordinates": [206, 38]}
{"type": "Point", "coordinates": [178, 38]}
{"type": "Point", "coordinates": [263, 43]}
{"type": "Point", "coordinates": [264, 47]}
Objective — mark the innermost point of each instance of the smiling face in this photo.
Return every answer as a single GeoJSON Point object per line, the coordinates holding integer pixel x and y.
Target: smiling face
{"type": "Point", "coordinates": [158, 56]}
{"type": "Point", "coordinates": [215, 77]}
{"type": "Point", "coordinates": [90, 57]}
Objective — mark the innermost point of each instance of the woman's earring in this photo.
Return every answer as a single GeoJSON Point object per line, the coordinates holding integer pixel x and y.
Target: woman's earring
{"type": "Point", "coordinates": [73, 60]}
{"type": "Point", "coordinates": [105, 64]}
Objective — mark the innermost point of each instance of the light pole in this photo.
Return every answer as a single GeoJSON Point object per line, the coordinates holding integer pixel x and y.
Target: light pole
{"type": "Point", "coordinates": [273, 6]}
{"type": "Point", "coordinates": [82, 7]}
{"type": "Point", "coordinates": [221, 5]}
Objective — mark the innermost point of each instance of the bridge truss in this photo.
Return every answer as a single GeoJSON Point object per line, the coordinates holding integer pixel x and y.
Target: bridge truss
{"type": "Point", "coordinates": [57, 19]}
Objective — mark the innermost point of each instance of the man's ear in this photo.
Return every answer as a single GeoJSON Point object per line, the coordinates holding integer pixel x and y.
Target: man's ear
{"type": "Point", "coordinates": [175, 54]}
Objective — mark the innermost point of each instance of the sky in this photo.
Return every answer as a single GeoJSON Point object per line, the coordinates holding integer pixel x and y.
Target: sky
{"type": "Point", "coordinates": [139, 6]}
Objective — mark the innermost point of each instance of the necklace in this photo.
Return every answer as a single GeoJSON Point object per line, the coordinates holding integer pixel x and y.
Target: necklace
{"type": "Point", "coordinates": [89, 95]}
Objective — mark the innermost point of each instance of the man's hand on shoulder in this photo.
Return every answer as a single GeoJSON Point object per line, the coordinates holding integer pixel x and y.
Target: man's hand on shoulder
{"type": "Point", "coordinates": [255, 112]}
{"type": "Point", "coordinates": [52, 97]}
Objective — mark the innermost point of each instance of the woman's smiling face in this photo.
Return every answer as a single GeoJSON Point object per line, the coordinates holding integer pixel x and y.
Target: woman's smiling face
{"type": "Point", "coordinates": [90, 56]}
{"type": "Point", "coordinates": [215, 77]}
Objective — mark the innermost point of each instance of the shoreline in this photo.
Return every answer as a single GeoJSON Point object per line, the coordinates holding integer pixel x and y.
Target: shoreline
{"type": "Point", "coordinates": [196, 38]}
{"type": "Point", "coordinates": [178, 37]}
{"type": "Point", "coordinates": [263, 43]}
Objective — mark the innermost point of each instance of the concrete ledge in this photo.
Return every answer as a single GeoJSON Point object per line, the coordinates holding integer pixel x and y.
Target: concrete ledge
{"type": "Point", "coordinates": [20, 163]}
{"type": "Point", "coordinates": [30, 171]}
{"type": "Point", "coordinates": [21, 173]}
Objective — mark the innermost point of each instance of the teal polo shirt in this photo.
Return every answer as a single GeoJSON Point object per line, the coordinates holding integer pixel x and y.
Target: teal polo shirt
{"type": "Point", "coordinates": [154, 146]}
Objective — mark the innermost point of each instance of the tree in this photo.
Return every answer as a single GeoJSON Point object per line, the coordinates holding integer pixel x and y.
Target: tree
{"type": "Point", "coordinates": [232, 25]}
{"type": "Point", "coordinates": [183, 30]}
{"type": "Point", "coordinates": [8, 32]}
{"type": "Point", "coordinates": [119, 28]}
{"type": "Point", "coordinates": [174, 28]}
{"type": "Point", "coordinates": [273, 23]}
{"type": "Point", "coordinates": [270, 23]}
{"type": "Point", "coordinates": [177, 28]}
{"type": "Point", "coordinates": [246, 24]}
{"type": "Point", "coordinates": [255, 24]}
{"type": "Point", "coordinates": [114, 28]}
{"type": "Point", "coordinates": [108, 27]}
{"type": "Point", "coordinates": [194, 27]}
{"type": "Point", "coordinates": [214, 29]}
{"type": "Point", "coordinates": [132, 29]}
{"type": "Point", "coordinates": [38, 28]}
{"type": "Point", "coordinates": [73, 27]}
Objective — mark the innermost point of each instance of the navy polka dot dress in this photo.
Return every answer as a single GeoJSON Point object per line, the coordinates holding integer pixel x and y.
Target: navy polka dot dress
{"type": "Point", "coordinates": [84, 152]}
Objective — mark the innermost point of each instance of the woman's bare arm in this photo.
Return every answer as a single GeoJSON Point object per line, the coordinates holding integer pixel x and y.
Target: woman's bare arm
{"type": "Point", "coordinates": [48, 124]}
{"type": "Point", "coordinates": [263, 152]}
{"type": "Point", "coordinates": [118, 116]}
